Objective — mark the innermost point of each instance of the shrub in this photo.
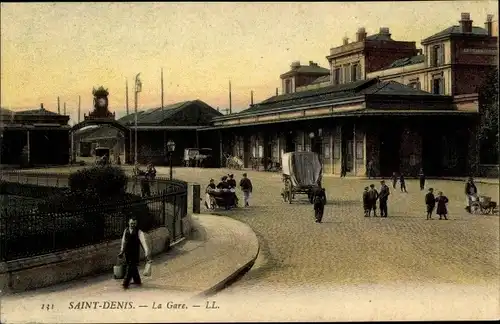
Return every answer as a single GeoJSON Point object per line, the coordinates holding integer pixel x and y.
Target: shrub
{"type": "Point", "coordinates": [104, 181]}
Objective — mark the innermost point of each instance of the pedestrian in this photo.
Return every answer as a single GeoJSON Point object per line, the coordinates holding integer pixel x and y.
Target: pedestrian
{"type": "Point", "coordinates": [247, 188]}
{"type": "Point", "coordinates": [209, 199]}
{"type": "Point", "coordinates": [366, 202]}
{"type": "Point", "coordinates": [430, 202]}
{"type": "Point", "coordinates": [343, 169]}
{"type": "Point", "coordinates": [441, 201]}
{"type": "Point", "coordinates": [402, 183]}
{"type": "Point", "coordinates": [394, 180]}
{"type": "Point", "coordinates": [231, 181]}
{"type": "Point", "coordinates": [421, 176]}
{"type": "Point", "coordinates": [373, 196]}
{"type": "Point", "coordinates": [132, 240]}
{"type": "Point", "coordinates": [383, 197]}
{"type": "Point", "coordinates": [470, 193]}
{"type": "Point", "coordinates": [370, 169]}
{"type": "Point", "coordinates": [319, 201]}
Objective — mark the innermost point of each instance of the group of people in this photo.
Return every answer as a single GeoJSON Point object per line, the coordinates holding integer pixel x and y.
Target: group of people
{"type": "Point", "coordinates": [224, 193]}
{"type": "Point", "coordinates": [370, 197]}
{"type": "Point", "coordinates": [145, 178]}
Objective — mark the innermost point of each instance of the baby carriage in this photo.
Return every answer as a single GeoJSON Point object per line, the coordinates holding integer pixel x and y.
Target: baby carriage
{"type": "Point", "coordinates": [225, 198]}
{"type": "Point", "coordinates": [482, 205]}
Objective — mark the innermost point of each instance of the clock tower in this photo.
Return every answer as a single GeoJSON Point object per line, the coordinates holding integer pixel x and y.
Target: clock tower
{"type": "Point", "coordinates": [100, 105]}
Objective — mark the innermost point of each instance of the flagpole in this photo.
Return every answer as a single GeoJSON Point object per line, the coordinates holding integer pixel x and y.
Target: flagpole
{"type": "Point", "coordinates": [137, 90]}
{"type": "Point", "coordinates": [230, 99]}
{"type": "Point", "coordinates": [79, 107]}
{"type": "Point", "coordinates": [126, 96]}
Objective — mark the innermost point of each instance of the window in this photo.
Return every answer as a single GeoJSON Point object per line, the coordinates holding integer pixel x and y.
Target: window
{"type": "Point", "coordinates": [437, 86]}
{"type": "Point", "coordinates": [326, 150]}
{"type": "Point", "coordinates": [359, 150]}
{"type": "Point", "coordinates": [336, 76]}
{"type": "Point", "coordinates": [288, 86]}
{"type": "Point", "coordinates": [437, 55]}
{"type": "Point", "coordinates": [355, 72]}
{"type": "Point", "coordinates": [346, 74]}
{"type": "Point", "coordinates": [336, 150]}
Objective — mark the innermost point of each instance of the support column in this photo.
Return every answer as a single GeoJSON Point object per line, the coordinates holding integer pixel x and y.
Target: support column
{"type": "Point", "coordinates": [221, 153]}
{"type": "Point", "coordinates": [354, 162]}
{"type": "Point", "coordinates": [341, 151]}
{"type": "Point", "coordinates": [130, 160]}
{"type": "Point", "coordinates": [330, 144]}
{"type": "Point", "coordinates": [28, 146]}
{"type": "Point", "coordinates": [72, 156]}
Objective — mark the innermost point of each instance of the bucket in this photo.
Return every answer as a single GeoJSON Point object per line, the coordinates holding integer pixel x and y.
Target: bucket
{"type": "Point", "coordinates": [119, 269]}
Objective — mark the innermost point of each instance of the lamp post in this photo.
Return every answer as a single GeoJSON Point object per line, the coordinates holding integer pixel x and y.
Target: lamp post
{"type": "Point", "coordinates": [171, 149]}
{"type": "Point", "coordinates": [138, 88]}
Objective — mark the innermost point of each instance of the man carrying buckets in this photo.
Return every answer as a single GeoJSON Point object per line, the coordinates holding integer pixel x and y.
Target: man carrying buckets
{"type": "Point", "coordinates": [132, 240]}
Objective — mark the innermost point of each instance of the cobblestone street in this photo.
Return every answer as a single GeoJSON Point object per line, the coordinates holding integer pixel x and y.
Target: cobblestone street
{"type": "Point", "coordinates": [348, 248]}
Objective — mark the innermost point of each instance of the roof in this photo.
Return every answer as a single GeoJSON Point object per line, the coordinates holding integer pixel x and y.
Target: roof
{"type": "Point", "coordinates": [104, 131]}
{"type": "Point", "coordinates": [306, 69]}
{"type": "Point", "coordinates": [160, 115]}
{"type": "Point", "coordinates": [39, 112]}
{"type": "Point", "coordinates": [321, 79]}
{"type": "Point", "coordinates": [454, 31]}
{"type": "Point", "coordinates": [335, 92]}
{"type": "Point", "coordinates": [380, 37]}
{"type": "Point", "coordinates": [5, 111]}
{"type": "Point", "coordinates": [407, 61]}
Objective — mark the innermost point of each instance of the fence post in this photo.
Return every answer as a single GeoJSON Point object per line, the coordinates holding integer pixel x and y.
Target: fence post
{"type": "Point", "coordinates": [174, 218]}
{"type": "Point", "coordinates": [196, 198]}
{"type": "Point", "coordinates": [54, 232]}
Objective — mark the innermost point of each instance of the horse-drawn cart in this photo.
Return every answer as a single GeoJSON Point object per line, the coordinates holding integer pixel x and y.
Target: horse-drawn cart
{"type": "Point", "coordinates": [301, 174]}
{"type": "Point", "coordinates": [483, 205]}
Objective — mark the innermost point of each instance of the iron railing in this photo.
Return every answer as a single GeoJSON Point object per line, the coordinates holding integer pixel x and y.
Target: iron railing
{"type": "Point", "coordinates": [27, 232]}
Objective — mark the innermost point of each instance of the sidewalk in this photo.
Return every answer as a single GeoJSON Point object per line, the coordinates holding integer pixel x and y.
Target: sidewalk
{"type": "Point", "coordinates": [219, 250]}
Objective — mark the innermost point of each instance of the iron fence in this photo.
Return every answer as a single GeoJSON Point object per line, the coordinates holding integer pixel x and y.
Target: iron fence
{"type": "Point", "coordinates": [27, 233]}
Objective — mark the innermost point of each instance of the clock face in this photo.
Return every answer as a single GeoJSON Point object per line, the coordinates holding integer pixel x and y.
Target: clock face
{"type": "Point", "coordinates": [101, 102]}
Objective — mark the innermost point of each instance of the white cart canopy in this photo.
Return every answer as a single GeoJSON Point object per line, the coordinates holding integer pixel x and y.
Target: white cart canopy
{"type": "Point", "coordinates": [303, 168]}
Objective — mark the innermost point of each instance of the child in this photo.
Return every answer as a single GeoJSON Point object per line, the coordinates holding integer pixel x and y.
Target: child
{"type": "Point", "coordinates": [421, 176]}
{"type": "Point", "coordinates": [319, 201]}
{"type": "Point", "coordinates": [394, 180]}
{"type": "Point", "coordinates": [372, 198]}
{"type": "Point", "coordinates": [366, 202]}
{"type": "Point", "coordinates": [402, 183]}
{"type": "Point", "coordinates": [441, 201]}
{"type": "Point", "coordinates": [430, 201]}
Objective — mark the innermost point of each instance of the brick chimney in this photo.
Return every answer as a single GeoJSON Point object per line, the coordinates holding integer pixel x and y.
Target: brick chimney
{"type": "Point", "coordinates": [345, 41]}
{"type": "Point", "coordinates": [361, 34]}
{"type": "Point", "coordinates": [488, 25]}
{"type": "Point", "coordinates": [295, 65]}
{"type": "Point", "coordinates": [41, 106]}
{"type": "Point", "coordinates": [384, 31]}
{"type": "Point", "coordinates": [465, 23]}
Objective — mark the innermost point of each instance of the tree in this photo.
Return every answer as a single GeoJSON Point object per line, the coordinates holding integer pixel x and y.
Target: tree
{"type": "Point", "coordinates": [488, 127]}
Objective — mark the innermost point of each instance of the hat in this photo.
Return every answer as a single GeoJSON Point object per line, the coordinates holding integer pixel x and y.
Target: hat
{"type": "Point", "coordinates": [244, 174]}
{"type": "Point", "coordinates": [224, 178]}
{"type": "Point", "coordinates": [212, 180]}
{"type": "Point", "coordinates": [231, 175]}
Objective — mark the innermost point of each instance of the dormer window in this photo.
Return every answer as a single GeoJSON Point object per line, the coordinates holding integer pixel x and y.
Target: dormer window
{"type": "Point", "coordinates": [288, 86]}
{"type": "Point", "coordinates": [437, 55]}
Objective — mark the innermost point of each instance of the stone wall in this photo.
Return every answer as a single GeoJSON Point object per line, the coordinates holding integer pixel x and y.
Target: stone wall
{"type": "Point", "coordinates": [50, 269]}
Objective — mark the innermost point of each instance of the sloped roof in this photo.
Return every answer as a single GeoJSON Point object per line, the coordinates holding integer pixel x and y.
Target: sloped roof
{"type": "Point", "coordinates": [342, 91]}
{"type": "Point", "coordinates": [380, 37]}
{"type": "Point", "coordinates": [38, 112]}
{"type": "Point", "coordinates": [321, 79]}
{"type": "Point", "coordinates": [456, 30]}
{"type": "Point", "coordinates": [307, 69]}
{"type": "Point", "coordinates": [159, 115]}
{"type": "Point", "coordinates": [407, 61]}
{"type": "Point", "coordinates": [104, 131]}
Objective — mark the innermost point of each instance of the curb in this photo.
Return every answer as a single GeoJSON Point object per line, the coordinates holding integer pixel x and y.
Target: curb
{"type": "Point", "coordinates": [235, 274]}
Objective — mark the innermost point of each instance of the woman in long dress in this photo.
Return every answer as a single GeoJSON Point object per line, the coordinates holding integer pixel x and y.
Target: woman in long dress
{"type": "Point", "coordinates": [441, 202]}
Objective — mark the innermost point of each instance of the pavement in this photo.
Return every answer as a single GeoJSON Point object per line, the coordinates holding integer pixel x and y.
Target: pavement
{"type": "Point", "coordinates": [403, 267]}
{"type": "Point", "coordinates": [218, 251]}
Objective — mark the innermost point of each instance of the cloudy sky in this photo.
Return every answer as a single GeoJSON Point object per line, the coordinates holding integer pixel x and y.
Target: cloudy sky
{"type": "Point", "coordinates": [65, 49]}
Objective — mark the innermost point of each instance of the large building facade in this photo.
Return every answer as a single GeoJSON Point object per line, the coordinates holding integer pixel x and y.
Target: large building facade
{"type": "Point", "coordinates": [382, 100]}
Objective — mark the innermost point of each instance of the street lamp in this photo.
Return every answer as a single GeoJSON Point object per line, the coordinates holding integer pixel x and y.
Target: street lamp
{"type": "Point", "coordinates": [171, 149]}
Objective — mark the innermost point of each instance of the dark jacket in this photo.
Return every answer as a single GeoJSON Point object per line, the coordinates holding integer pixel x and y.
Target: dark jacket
{"type": "Point", "coordinates": [246, 184]}
{"type": "Point", "coordinates": [470, 187]}
{"type": "Point", "coordinates": [372, 195]}
{"type": "Point", "coordinates": [319, 197]}
{"type": "Point", "coordinates": [231, 183]}
{"type": "Point", "coordinates": [384, 193]}
{"type": "Point", "coordinates": [441, 205]}
{"type": "Point", "coordinates": [401, 179]}
{"type": "Point", "coordinates": [223, 185]}
{"type": "Point", "coordinates": [366, 199]}
{"type": "Point", "coordinates": [430, 200]}
{"type": "Point", "coordinates": [210, 186]}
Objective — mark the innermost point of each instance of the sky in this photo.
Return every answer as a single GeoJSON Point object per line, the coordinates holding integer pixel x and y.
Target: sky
{"type": "Point", "coordinates": [66, 49]}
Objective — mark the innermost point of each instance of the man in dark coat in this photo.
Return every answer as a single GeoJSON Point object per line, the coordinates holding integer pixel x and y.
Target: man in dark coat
{"type": "Point", "coordinates": [231, 182]}
{"type": "Point", "coordinates": [369, 169]}
{"type": "Point", "coordinates": [383, 197]}
{"type": "Point", "coordinates": [470, 191]}
{"type": "Point", "coordinates": [132, 240]}
{"type": "Point", "coordinates": [430, 202]}
{"type": "Point", "coordinates": [402, 182]}
{"type": "Point", "coordinates": [421, 177]}
{"type": "Point", "coordinates": [246, 187]}
{"type": "Point", "coordinates": [366, 202]}
{"type": "Point", "coordinates": [372, 198]}
{"type": "Point", "coordinates": [319, 201]}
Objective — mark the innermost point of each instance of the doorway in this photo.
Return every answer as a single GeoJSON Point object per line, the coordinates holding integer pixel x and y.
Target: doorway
{"type": "Point", "coordinates": [390, 143]}
{"type": "Point", "coordinates": [289, 141]}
